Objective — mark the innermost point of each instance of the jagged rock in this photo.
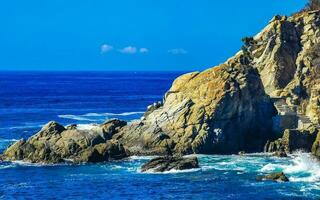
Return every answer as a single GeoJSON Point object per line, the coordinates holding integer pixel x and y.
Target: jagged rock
{"type": "Point", "coordinates": [152, 108]}
{"type": "Point", "coordinates": [55, 144]}
{"type": "Point", "coordinates": [168, 163]}
{"type": "Point", "coordinates": [278, 177]}
{"type": "Point", "coordinates": [112, 127]}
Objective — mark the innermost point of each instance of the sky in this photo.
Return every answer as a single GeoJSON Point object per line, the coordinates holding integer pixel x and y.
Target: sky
{"type": "Point", "coordinates": [129, 35]}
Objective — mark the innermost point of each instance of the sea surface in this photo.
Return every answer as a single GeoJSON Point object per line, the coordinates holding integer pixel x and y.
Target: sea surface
{"type": "Point", "coordinates": [28, 100]}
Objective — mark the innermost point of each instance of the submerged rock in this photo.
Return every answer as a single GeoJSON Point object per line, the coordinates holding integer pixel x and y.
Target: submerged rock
{"type": "Point", "coordinates": [55, 144]}
{"type": "Point", "coordinates": [278, 177]}
{"type": "Point", "coordinates": [168, 163]}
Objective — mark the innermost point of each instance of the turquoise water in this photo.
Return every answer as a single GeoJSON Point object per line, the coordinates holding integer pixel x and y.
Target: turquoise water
{"type": "Point", "coordinates": [29, 100]}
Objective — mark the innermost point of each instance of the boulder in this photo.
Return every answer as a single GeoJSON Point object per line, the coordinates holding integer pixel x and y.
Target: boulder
{"type": "Point", "coordinates": [168, 163]}
{"type": "Point", "coordinates": [278, 177]}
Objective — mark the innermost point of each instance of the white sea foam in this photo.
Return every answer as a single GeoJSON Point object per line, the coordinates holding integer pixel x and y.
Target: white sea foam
{"type": "Point", "coordinates": [21, 127]}
{"type": "Point", "coordinates": [76, 117]}
{"type": "Point", "coordinates": [111, 114]}
{"type": "Point", "coordinates": [92, 117]}
{"type": "Point", "coordinates": [86, 126]}
{"type": "Point", "coordinates": [302, 168]}
{"type": "Point", "coordinates": [141, 157]}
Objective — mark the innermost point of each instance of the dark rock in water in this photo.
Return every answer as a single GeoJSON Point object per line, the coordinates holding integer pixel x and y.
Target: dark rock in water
{"type": "Point", "coordinates": [55, 144]}
{"type": "Point", "coordinates": [280, 154]}
{"type": "Point", "coordinates": [278, 176]}
{"type": "Point", "coordinates": [168, 163]}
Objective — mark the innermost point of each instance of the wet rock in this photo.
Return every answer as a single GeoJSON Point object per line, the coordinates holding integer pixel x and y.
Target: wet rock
{"type": "Point", "coordinates": [168, 163]}
{"type": "Point", "coordinates": [278, 177]}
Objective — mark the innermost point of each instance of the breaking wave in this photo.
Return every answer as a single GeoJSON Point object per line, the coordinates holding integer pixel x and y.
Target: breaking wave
{"type": "Point", "coordinates": [302, 167]}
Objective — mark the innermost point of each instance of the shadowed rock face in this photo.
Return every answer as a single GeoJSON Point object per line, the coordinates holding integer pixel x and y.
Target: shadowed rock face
{"type": "Point", "coordinates": [54, 144]}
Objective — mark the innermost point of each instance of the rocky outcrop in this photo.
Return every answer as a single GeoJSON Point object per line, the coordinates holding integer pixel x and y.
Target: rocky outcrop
{"type": "Point", "coordinates": [55, 144]}
{"type": "Point", "coordinates": [222, 110]}
{"type": "Point", "coordinates": [227, 109]}
{"type": "Point", "coordinates": [168, 163]}
{"type": "Point", "coordinates": [278, 177]}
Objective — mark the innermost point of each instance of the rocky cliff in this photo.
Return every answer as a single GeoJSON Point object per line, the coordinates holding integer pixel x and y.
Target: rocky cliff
{"type": "Point", "coordinates": [230, 107]}
{"type": "Point", "coordinates": [225, 109]}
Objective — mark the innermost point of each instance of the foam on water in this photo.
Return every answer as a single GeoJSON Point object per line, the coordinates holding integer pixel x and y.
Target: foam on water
{"type": "Point", "coordinates": [95, 117]}
{"type": "Point", "coordinates": [302, 167]}
{"type": "Point", "coordinates": [112, 114]}
{"type": "Point", "coordinates": [76, 117]}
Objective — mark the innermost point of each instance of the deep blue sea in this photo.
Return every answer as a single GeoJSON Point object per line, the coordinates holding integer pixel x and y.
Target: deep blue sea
{"type": "Point", "coordinates": [28, 100]}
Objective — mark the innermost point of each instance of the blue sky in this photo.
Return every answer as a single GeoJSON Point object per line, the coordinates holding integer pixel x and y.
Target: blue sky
{"type": "Point", "coordinates": [132, 35]}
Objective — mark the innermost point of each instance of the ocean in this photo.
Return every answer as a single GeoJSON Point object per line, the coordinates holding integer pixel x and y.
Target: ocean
{"type": "Point", "coordinates": [28, 100]}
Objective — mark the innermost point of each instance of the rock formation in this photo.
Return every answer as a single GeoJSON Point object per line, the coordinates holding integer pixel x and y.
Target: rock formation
{"type": "Point", "coordinates": [268, 90]}
{"type": "Point", "coordinates": [278, 177]}
{"type": "Point", "coordinates": [55, 144]}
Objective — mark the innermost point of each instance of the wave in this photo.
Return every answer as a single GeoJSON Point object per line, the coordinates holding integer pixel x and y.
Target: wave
{"type": "Point", "coordinates": [21, 127]}
{"type": "Point", "coordinates": [112, 114]}
{"type": "Point", "coordinates": [75, 117]}
{"type": "Point", "coordinates": [93, 117]}
{"type": "Point", "coordinates": [302, 168]}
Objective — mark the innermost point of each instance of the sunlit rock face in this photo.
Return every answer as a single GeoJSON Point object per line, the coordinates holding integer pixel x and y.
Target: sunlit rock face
{"type": "Point", "coordinates": [229, 108]}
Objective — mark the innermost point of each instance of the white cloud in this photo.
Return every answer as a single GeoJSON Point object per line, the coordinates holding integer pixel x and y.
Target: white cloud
{"type": "Point", "coordinates": [143, 50]}
{"type": "Point", "coordinates": [129, 50]}
{"type": "Point", "coordinates": [177, 51]}
{"type": "Point", "coordinates": [105, 48]}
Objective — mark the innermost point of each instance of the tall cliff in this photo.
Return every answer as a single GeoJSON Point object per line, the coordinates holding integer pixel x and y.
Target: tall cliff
{"type": "Point", "coordinates": [230, 107]}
